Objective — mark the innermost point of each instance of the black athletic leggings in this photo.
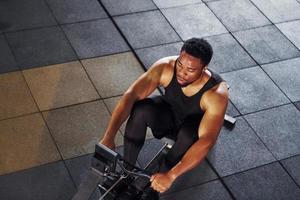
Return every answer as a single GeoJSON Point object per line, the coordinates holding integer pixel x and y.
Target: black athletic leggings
{"type": "Point", "coordinates": [156, 114]}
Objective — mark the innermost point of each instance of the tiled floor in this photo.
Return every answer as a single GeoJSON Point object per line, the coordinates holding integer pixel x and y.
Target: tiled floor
{"type": "Point", "coordinates": [65, 64]}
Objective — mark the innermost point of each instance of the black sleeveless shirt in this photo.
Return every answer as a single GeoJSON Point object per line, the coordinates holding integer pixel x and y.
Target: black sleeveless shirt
{"type": "Point", "coordinates": [184, 106]}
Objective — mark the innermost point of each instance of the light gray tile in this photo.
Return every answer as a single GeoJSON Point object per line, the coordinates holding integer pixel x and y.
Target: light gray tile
{"type": "Point", "coordinates": [238, 14]}
{"type": "Point", "coordinates": [267, 44]}
{"type": "Point", "coordinates": [252, 90]}
{"type": "Point", "coordinates": [292, 31]}
{"type": "Point", "coordinates": [47, 182]}
{"type": "Point", "coordinates": [95, 38]}
{"type": "Point", "coordinates": [146, 29]}
{"type": "Point", "coordinates": [40, 47]}
{"type": "Point", "coordinates": [77, 129]}
{"type": "Point", "coordinates": [238, 150]}
{"type": "Point", "coordinates": [152, 54]}
{"type": "Point", "coordinates": [112, 75]}
{"type": "Point", "coordinates": [286, 75]}
{"type": "Point", "coordinates": [25, 142]}
{"type": "Point", "coordinates": [15, 98]}
{"type": "Point", "coordinates": [293, 167]}
{"type": "Point", "coordinates": [228, 54]}
{"type": "Point", "coordinates": [268, 182]}
{"type": "Point", "coordinates": [279, 128]}
{"type": "Point", "coordinates": [60, 85]}
{"type": "Point", "coordinates": [174, 3]}
{"type": "Point", "coordinates": [297, 104]}
{"type": "Point", "coordinates": [194, 21]}
{"type": "Point", "coordinates": [116, 7]}
{"type": "Point", "coordinates": [69, 11]}
{"type": "Point", "coordinates": [231, 110]}
{"type": "Point", "coordinates": [206, 191]}
{"type": "Point", "coordinates": [279, 11]}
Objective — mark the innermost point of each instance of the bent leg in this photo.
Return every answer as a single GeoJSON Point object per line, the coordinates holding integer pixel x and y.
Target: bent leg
{"type": "Point", "coordinates": [149, 112]}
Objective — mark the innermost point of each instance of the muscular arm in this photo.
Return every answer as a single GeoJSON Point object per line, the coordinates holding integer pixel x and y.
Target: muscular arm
{"type": "Point", "coordinates": [209, 128]}
{"type": "Point", "coordinates": [140, 89]}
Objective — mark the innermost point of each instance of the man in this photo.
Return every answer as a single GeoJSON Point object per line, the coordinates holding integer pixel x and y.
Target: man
{"type": "Point", "coordinates": [191, 110]}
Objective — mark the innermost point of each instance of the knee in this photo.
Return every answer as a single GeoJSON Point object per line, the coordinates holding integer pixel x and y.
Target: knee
{"type": "Point", "coordinates": [141, 109]}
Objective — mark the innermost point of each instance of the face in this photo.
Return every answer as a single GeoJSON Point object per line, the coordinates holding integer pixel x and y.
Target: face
{"type": "Point", "coordinates": [188, 68]}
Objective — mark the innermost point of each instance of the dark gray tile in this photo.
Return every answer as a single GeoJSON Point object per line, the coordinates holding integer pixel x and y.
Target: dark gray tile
{"type": "Point", "coordinates": [238, 15]}
{"type": "Point", "coordinates": [292, 31]}
{"type": "Point", "coordinates": [17, 15]}
{"type": "Point", "coordinates": [194, 21]}
{"type": "Point", "coordinates": [252, 90]}
{"type": "Point", "coordinates": [231, 110]}
{"type": "Point", "coordinates": [174, 3]}
{"type": "Point", "coordinates": [40, 47]}
{"type": "Point", "coordinates": [279, 11]}
{"type": "Point", "coordinates": [238, 150]}
{"type": "Point", "coordinates": [293, 167]}
{"type": "Point", "coordinates": [50, 181]}
{"type": "Point", "coordinates": [213, 190]}
{"type": "Point", "coordinates": [297, 104]}
{"type": "Point", "coordinates": [267, 182]}
{"type": "Point", "coordinates": [286, 75]}
{"type": "Point", "coordinates": [228, 54]}
{"type": "Point", "coordinates": [267, 44]}
{"type": "Point", "coordinates": [68, 11]}
{"type": "Point", "coordinates": [146, 29]}
{"type": "Point", "coordinates": [279, 128]}
{"type": "Point", "coordinates": [152, 54]}
{"type": "Point", "coordinates": [95, 38]}
{"type": "Point", "coordinates": [116, 7]}
{"type": "Point", "coordinates": [7, 61]}
{"type": "Point", "coordinates": [200, 174]}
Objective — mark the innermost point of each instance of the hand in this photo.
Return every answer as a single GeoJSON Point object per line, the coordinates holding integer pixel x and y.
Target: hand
{"type": "Point", "coordinates": [108, 143]}
{"type": "Point", "coordinates": [161, 182]}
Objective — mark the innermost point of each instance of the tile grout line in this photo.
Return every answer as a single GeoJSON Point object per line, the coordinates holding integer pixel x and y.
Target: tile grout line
{"type": "Point", "coordinates": [274, 23]}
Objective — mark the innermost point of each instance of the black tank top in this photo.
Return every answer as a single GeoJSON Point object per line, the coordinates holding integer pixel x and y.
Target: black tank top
{"type": "Point", "coordinates": [184, 106]}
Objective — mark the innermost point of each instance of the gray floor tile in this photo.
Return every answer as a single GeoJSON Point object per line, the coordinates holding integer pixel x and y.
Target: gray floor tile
{"type": "Point", "coordinates": [268, 182]}
{"type": "Point", "coordinates": [194, 21]}
{"type": "Point", "coordinates": [152, 54]}
{"type": "Point", "coordinates": [297, 104]}
{"type": "Point", "coordinates": [286, 75]}
{"type": "Point", "coordinates": [225, 47]}
{"type": "Point", "coordinates": [279, 128]}
{"type": "Point", "coordinates": [25, 142]}
{"type": "Point", "coordinates": [116, 7]}
{"type": "Point", "coordinates": [68, 11]}
{"type": "Point", "coordinates": [293, 167]}
{"type": "Point", "coordinates": [48, 182]}
{"type": "Point", "coordinates": [77, 129]}
{"type": "Point", "coordinates": [95, 38]}
{"type": "Point", "coordinates": [112, 75]}
{"type": "Point", "coordinates": [292, 31]}
{"type": "Point", "coordinates": [238, 14]}
{"type": "Point", "coordinates": [146, 29]}
{"type": "Point", "coordinates": [15, 98]}
{"type": "Point", "coordinates": [238, 150]}
{"type": "Point", "coordinates": [17, 15]}
{"type": "Point", "coordinates": [279, 11]}
{"type": "Point", "coordinates": [267, 44]}
{"type": "Point", "coordinates": [7, 61]}
{"type": "Point", "coordinates": [40, 47]}
{"type": "Point", "coordinates": [206, 191]}
{"type": "Point", "coordinates": [60, 85]}
{"type": "Point", "coordinates": [174, 3]}
{"type": "Point", "coordinates": [252, 90]}
{"type": "Point", "coordinates": [231, 110]}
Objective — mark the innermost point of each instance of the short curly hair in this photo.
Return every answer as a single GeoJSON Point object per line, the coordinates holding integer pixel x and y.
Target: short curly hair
{"type": "Point", "coordinates": [198, 48]}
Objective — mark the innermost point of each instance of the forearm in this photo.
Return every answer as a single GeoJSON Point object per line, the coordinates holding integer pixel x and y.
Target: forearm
{"type": "Point", "coordinates": [119, 115]}
{"type": "Point", "coordinates": [194, 156]}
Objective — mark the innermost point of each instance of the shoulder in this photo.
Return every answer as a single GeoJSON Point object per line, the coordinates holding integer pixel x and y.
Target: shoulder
{"type": "Point", "coordinates": [216, 98]}
{"type": "Point", "coordinates": [164, 68]}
